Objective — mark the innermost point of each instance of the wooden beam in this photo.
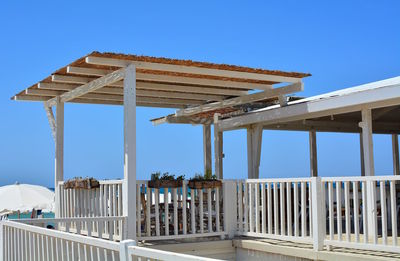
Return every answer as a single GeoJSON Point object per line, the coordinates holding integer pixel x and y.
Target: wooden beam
{"type": "Point", "coordinates": [313, 154]}
{"type": "Point", "coordinates": [242, 100]}
{"type": "Point", "coordinates": [173, 79]}
{"type": "Point", "coordinates": [69, 87]}
{"type": "Point", "coordinates": [254, 141]}
{"type": "Point", "coordinates": [90, 87]}
{"type": "Point", "coordinates": [382, 112]}
{"type": "Point", "coordinates": [377, 95]}
{"type": "Point", "coordinates": [129, 185]}
{"type": "Point", "coordinates": [182, 120]}
{"type": "Point", "coordinates": [366, 126]}
{"type": "Point", "coordinates": [362, 155]}
{"type": "Point", "coordinates": [207, 148]}
{"type": "Point", "coordinates": [190, 69]}
{"type": "Point", "coordinates": [67, 79]}
{"type": "Point", "coordinates": [52, 121]}
{"type": "Point", "coordinates": [395, 150]}
{"type": "Point", "coordinates": [59, 153]}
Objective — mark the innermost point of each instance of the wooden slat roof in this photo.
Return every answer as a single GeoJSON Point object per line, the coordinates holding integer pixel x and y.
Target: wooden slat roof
{"type": "Point", "coordinates": [161, 82]}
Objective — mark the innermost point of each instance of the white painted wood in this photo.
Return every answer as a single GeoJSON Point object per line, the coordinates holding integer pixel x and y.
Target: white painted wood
{"type": "Point", "coordinates": [209, 210]}
{"type": "Point", "coordinates": [282, 207]}
{"type": "Point", "coordinates": [246, 207]}
{"type": "Point", "coordinates": [249, 98]}
{"type": "Point", "coordinates": [251, 208]}
{"type": "Point", "coordinates": [201, 210]}
{"type": "Point", "coordinates": [313, 154]}
{"type": "Point", "coordinates": [240, 206]}
{"type": "Point", "coordinates": [377, 94]}
{"type": "Point", "coordinates": [175, 199]}
{"type": "Point", "coordinates": [339, 209]}
{"type": "Point", "coordinates": [193, 210]}
{"type": "Point", "coordinates": [303, 210]}
{"type": "Point", "coordinates": [356, 204]}
{"type": "Point", "coordinates": [395, 152]}
{"type": "Point", "coordinates": [52, 121]}
{"type": "Point", "coordinates": [59, 152]}
{"type": "Point", "coordinates": [263, 209]}
{"type": "Point", "coordinates": [138, 211]}
{"type": "Point", "coordinates": [254, 142]}
{"type": "Point", "coordinates": [129, 188]}
{"type": "Point", "coordinates": [331, 215]}
{"type": "Point", "coordinates": [382, 187]}
{"type": "Point", "coordinates": [148, 210]}
{"type": "Point", "coordinates": [184, 207]}
{"type": "Point", "coordinates": [207, 148]}
{"type": "Point", "coordinates": [393, 204]}
{"type": "Point", "coordinates": [257, 207]}
{"type": "Point", "coordinates": [318, 218]}
{"type": "Point", "coordinates": [218, 149]}
{"type": "Point", "coordinates": [189, 69]}
{"type": "Point", "coordinates": [217, 211]}
{"type": "Point", "coordinates": [166, 211]}
{"type": "Point", "coordinates": [276, 211]}
{"type": "Point", "coordinates": [347, 210]}
{"type": "Point", "coordinates": [157, 210]}
{"type": "Point", "coordinates": [230, 208]}
{"type": "Point", "coordinates": [296, 208]}
{"type": "Point", "coordinates": [362, 155]}
{"type": "Point", "coordinates": [289, 208]}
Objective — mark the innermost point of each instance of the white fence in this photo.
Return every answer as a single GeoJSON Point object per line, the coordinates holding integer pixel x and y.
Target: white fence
{"type": "Point", "coordinates": [164, 213]}
{"type": "Point", "coordinates": [275, 208]}
{"type": "Point", "coordinates": [27, 242]}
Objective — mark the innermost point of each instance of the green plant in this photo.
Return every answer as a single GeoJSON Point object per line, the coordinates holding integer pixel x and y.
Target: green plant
{"type": "Point", "coordinates": [181, 177]}
{"type": "Point", "coordinates": [155, 175]}
{"type": "Point", "coordinates": [167, 176]}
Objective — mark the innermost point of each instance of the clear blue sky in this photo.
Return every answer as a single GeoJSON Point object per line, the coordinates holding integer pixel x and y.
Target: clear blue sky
{"type": "Point", "coordinates": [342, 44]}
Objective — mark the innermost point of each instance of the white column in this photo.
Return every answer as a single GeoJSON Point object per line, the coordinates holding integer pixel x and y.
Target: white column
{"type": "Point", "coordinates": [129, 185]}
{"type": "Point", "coordinates": [313, 154]}
{"type": "Point", "coordinates": [218, 149]}
{"type": "Point", "coordinates": [207, 148]}
{"type": "Point", "coordinates": [254, 140]}
{"type": "Point", "coordinates": [395, 148]}
{"type": "Point", "coordinates": [59, 153]}
{"type": "Point", "coordinates": [362, 155]}
{"type": "Point", "coordinates": [318, 213]}
{"type": "Point", "coordinates": [366, 126]}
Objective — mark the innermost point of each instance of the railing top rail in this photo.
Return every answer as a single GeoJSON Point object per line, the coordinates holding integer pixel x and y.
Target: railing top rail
{"type": "Point", "coordinates": [364, 178]}
{"type": "Point", "coordinates": [277, 180]}
{"type": "Point", "coordinates": [64, 235]}
{"type": "Point", "coordinates": [69, 219]}
{"type": "Point", "coordinates": [163, 255]}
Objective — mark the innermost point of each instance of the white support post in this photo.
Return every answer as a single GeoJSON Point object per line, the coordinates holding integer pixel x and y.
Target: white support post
{"type": "Point", "coordinates": [207, 148]}
{"type": "Point", "coordinates": [366, 126]}
{"type": "Point", "coordinates": [395, 148]}
{"type": "Point", "coordinates": [129, 188]}
{"type": "Point", "coordinates": [123, 249]}
{"type": "Point", "coordinates": [362, 155]}
{"type": "Point", "coordinates": [230, 207]}
{"type": "Point", "coordinates": [313, 154]}
{"type": "Point", "coordinates": [59, 153]}
{"type": "Point", "coordinates": [2, 242]}
{"type": "Point", "coordinates": [318, 213]}
{"type": "Point", "coordinates": [254, 140]}
{"type": "Point", "coordinates": [218, 148]}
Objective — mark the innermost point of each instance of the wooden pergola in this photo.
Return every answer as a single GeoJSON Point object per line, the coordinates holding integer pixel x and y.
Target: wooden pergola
{"type": "Point", "coordinates": [201, 92]}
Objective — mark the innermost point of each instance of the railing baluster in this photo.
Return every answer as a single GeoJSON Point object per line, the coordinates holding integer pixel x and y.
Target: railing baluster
{"type": "Point", "coordinates": [175, 198]}
{"type": "Point", "coordinates": [356, 211]}
{"type": "Point", "coordinates": [217, 215]}
{"type": "Point", "coordinates": [276, 213]}
{"type": "Point", "coordinates": [339, 209]}
{"type": "Point", "coordinates": [282, 207]}
{"type": "Point", "coordinates": [251, 207]}
{"type": "Point", "coordinates": [331, 216]}
{"type": "Point", "coordinates": [148, 210]}
{"type": "Point", "coordinates": [157, 210]}
{"type": "Point", "coordinates": [364, 211]}
{"type": "Point", "coordinates": [393, 205]}
{"type": "Point", "coordinates": [257, 206]}
{"type": "Point", "coordinates": [289, 208]}
{"type": "Point", "coordinates": [166, 212]}
{"type": "Point", "coordinates": [138, 210]}
{"type": "Point", "coordinates": [184, 207]}
{"type": "Point", "coordinates": [347, 210]}
{"type": "Point", "coordinates": [383, 212]}
{"type": "Point", "coordinates": [246, 207]}
{"type": "Point", "coordinates": [310, 209]}
{"type": "Point", "coordinates": [303, 209]}
{"type": "Point", "coordinates": [209, 206]}
{"type": "Point", "coordinates": [240, 206]}
{"type": "Point", "coordinates": [201, 219]}
{"type": "Point", "coordinates": [263, 209]}
{"type": "Point", "coordinates": [193, 210]}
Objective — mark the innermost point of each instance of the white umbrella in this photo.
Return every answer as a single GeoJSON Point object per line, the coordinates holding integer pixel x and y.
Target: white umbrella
{"type": "Point", "coordinates": [25, 197]}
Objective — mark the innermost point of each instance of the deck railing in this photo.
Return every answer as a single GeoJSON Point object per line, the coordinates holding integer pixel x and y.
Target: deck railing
{"type": "Point", "coordinates": [21, 241]}
{"type": "Point", "coordinates": [275, 208]}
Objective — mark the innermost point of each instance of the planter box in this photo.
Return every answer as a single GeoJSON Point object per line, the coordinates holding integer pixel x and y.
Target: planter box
{"type": "Point", "coordinates": [165, 183]}
{"type": "Point", "coordinates": [78, 183]}
{"type": "Point", "coordinates": [204, 184]}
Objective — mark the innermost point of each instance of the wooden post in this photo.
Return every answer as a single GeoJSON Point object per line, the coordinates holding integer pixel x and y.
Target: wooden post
{"type": "Point", "coordinates": [218, 148]}
{"type": "Point", "coordinates": [129, 185]}
{"type": "Point", "coordinates": [59, 153]}
{"type": "Point", "coordinates": [230, 207]}
{"type": "Point", "coordinates": [313, 154]}
{"type": "Point", "coordinates": [395, 148]}
{"type": "Point", "coordinates": [123, 249]}
{"type": "Point", "coordinates": [362, 155]}
{"type": "Point", "coordinates": [366, 126]}
{"type": "Point", "coordinates": [207, 148]}
{"type": "Point", "coordinates": [254, 140]}
{"type": "Point", "coordinates": [318, 213]}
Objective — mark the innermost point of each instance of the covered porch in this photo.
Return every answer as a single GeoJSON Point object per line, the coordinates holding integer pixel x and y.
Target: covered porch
{"type": "Point", "coordinates": [324, 212]}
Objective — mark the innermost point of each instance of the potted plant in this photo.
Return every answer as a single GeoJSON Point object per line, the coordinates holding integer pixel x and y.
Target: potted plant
{"type": "Point", "coordinates": [204, 182]}
{"type": "Point", "coordinates": [81, 183]}
{"type": "Point", "coordinates": [165, 180]}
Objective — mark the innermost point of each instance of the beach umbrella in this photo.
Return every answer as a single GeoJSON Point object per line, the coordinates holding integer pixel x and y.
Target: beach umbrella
{"type": "Point", "coordinates": [25, 197]}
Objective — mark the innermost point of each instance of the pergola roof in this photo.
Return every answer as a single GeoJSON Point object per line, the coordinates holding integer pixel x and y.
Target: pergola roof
{"type": "Point", "coordinates": [163, 82]}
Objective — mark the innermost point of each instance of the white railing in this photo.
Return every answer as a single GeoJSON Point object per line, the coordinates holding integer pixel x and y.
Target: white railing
{"type": "Point", "coordinates": [111, 228]}
{"type": "Point", "coordinates": [275, 208]}
{"type": "Point", "coordinates": [101, 202]}
{"type": "Point", "coordinates": [164, 213]}
{"type": "Point", "coordinates": [20, 241]}
{"type": "Point", "coordinates": [362, 212]}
